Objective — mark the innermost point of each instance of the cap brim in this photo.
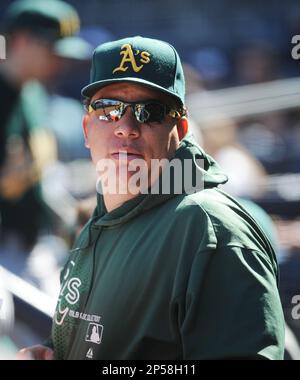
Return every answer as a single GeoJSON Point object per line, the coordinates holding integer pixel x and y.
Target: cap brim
{"type": "Point", "coordinates": [89, 90]}
{"type": "Point", "coordinates": [73, 48]}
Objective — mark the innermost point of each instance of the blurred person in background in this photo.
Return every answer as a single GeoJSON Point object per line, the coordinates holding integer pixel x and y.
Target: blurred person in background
{"type": "Point", "coordinates": [256, 63]}
{"type": "Point", "coordinates": [42, 42]}
{"type": "Point", "coordinates": [246, 174]}
{"type": "Point", "coordinates": [40, 36]}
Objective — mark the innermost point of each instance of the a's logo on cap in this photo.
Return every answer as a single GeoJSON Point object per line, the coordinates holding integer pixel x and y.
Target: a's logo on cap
{"type": "Point", "coordinates": [128, 56]}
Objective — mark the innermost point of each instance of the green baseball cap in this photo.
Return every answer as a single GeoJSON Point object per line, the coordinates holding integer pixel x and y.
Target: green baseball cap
{"type": "Point", "coordinates": [146, 61]}
{"type": "Point", "coordinates": [54, 21]}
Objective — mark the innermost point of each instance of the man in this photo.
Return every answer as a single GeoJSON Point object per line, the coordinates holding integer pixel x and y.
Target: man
{"type": "Point", "coordinates": [160, 274]}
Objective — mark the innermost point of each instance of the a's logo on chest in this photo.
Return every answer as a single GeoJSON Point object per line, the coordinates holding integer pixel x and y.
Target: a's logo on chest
{"type": "Point", "coordinates": [69, 294]}
{"type": "Point", "coordinates": [72, 287]}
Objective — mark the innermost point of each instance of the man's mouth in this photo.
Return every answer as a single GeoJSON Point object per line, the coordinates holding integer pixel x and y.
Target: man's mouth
{"type": "Point", "coordinates": [126, 155]}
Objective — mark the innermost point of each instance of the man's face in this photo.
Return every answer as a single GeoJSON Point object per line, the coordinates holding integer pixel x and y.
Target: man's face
{"type": "Point", "coordinates": [35, 57]}
{"type": "Point", "coordinates": [146, 141]}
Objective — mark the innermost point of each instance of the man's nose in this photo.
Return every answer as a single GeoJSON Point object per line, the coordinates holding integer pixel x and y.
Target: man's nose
{"type": "Point", "coordinates": [128, 126]}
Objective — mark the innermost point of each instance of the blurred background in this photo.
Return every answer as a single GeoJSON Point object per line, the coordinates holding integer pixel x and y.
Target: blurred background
{"type": "Point", "coordinates": [243, 96]}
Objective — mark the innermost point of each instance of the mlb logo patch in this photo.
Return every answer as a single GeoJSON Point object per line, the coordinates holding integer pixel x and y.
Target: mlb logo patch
{"type": "Point", "coordinates": [94, 333]}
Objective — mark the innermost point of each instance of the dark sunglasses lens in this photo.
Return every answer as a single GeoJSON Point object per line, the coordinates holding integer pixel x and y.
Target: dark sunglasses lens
{"type": "Point", "coordinates": [113, 110]}
{"type": "Point", "coordinates": [108, 110]}
{"type": "Point", "coordinates": [150, 112]}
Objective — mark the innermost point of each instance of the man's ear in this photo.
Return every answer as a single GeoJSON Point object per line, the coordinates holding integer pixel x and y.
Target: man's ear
{"type": "Point", "coordinates": [182, 127]}
{"type": "Point", "coordinates": [85, 126]}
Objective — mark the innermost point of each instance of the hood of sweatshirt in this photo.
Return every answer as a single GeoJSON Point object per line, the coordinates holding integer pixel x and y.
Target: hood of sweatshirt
{"type": "Point", "coordinates": [201, 166]}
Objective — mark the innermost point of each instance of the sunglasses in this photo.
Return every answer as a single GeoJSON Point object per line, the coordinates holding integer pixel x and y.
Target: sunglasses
{"type": "Point", "coordinates": [145, 112]}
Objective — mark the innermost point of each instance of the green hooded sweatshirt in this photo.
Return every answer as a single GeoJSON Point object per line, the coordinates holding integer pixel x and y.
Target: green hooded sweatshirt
{"type": "Point", "coordinates": [171, 277]}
